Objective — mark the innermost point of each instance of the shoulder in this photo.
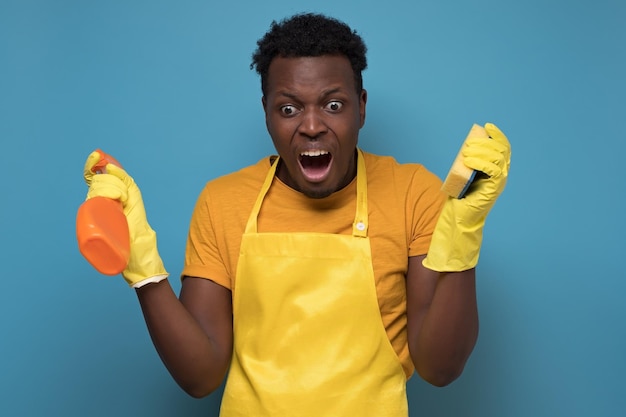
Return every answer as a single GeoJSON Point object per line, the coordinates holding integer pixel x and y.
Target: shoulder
{"type": "Point", "coordinates": [387, 170]}
{"type": "Point", "coordinates": [239, 182]}
{"type": "Point", "coordinates": [248, 176]}
{"type": "Point", "coordinates": [234, 190]}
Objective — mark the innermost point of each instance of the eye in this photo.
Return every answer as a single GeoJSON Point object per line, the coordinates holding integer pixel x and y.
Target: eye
{"type": "Point", "coordinates": [334, 106]}
{"type": "Point", "coordinates": [288, 110]}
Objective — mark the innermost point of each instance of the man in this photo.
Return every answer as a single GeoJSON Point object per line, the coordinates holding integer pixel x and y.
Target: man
{"type": "Point", "coordinates": [321, 278]}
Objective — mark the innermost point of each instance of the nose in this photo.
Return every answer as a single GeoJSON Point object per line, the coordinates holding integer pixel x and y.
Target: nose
{"type": "Point", "coordinates": [312, 124]}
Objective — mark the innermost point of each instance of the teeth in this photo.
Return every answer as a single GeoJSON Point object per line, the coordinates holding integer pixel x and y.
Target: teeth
{"type": "Point", "coordinates": [314, 153]}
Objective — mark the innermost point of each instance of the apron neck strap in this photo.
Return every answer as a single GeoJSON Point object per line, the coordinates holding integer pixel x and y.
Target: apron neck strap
{"type": "Point", "coordinates": [360, 225]}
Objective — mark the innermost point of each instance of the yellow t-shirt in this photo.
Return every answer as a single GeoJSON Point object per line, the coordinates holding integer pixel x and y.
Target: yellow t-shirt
{"type": "Point", "coordinates": [404, 201]}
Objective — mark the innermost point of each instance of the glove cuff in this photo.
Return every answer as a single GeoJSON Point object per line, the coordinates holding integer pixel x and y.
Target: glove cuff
{"type": "Point", "coordinates": [145, 264]}
{"type": "Point", "coordinates": [152, 280]}
{"type": "Point", "coordinates": [454, 246]}
{"type": "Point", "coordinates": [445, 256]}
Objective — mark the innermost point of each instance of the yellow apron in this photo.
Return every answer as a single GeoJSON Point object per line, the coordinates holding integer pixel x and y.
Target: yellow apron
{"type": "Point", "coordinates": [308, 335]}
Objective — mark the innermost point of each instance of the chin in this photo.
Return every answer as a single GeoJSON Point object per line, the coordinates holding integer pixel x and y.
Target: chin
{"type": "Point", "coordinates": [317, 193]}
{"type": "Point", "coordinates": [317, 190]}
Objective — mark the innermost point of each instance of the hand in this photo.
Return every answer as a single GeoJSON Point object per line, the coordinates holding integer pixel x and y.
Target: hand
{"type": "Point", "coordinates": [145, 264]}
{"type": "Point", "coordinates": [457, 238]}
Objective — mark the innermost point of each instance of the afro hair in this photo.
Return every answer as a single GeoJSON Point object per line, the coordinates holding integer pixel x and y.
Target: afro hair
{"type": "Point", "coordinates": [310, 35]}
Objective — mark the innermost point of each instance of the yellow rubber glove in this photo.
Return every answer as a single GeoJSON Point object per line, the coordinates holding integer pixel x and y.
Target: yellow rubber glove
{"type": "Point", "coordinates": [145, 264]}
{"type": "Point", "coordinates": [457, 238]}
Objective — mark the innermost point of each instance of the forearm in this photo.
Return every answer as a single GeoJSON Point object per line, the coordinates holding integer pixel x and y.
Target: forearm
{"type": "Point", "coordinates": [441, 307]}
{"type": "Point", "coordinates": [443, 333]}
{"type": "Point", "coordinates": [195, 361]}
{"type": "Point", "coordinates": [193, 334]}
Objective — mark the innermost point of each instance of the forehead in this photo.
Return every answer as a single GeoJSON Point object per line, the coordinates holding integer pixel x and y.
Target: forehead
{"type": "Point", "coordinates": [310, 73]}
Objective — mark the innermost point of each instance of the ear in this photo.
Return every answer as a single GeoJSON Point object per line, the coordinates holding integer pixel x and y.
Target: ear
{"type": "Point", "coordinates": [264, 104]}
{"type": "Point", "coordinates": [362, 105]}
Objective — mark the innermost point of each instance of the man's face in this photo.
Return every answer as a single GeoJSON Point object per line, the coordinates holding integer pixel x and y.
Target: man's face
{"type": "Point", "coordinates": [314, 113]}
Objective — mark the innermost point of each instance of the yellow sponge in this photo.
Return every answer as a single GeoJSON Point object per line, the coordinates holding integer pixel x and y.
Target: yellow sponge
{"type": "Point", "coordinates": [460, 177]}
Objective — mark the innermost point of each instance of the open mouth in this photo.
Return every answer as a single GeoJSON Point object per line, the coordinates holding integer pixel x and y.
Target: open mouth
{"type": "Point", "coordinates": [315, 164]}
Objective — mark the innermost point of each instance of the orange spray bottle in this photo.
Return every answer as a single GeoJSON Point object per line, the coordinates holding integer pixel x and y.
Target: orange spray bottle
{"type": "Point", "coordinates": [102, 229]}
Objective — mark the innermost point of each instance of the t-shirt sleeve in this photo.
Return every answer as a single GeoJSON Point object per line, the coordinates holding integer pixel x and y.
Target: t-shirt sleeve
{"type": "Point", "coordinates": [202, 255]}
{"type": "Point", "coordinates": [425, 201]}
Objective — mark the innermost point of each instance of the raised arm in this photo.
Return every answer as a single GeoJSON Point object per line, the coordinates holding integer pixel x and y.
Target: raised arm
{"type": "Point", "coordinates": [441, 295]}
{"type": "Point", "coordinates": [193, 334]}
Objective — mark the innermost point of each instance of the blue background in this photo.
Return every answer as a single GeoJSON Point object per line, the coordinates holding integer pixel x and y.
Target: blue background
{"type": "Point", "coordinates": [165, 86]}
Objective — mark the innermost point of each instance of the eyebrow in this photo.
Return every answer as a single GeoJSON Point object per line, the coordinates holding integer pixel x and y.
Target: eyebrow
{"type": "Point", "coordinates": [323, 95]}
{"type": "Point", "coordinates": [330, 92]}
